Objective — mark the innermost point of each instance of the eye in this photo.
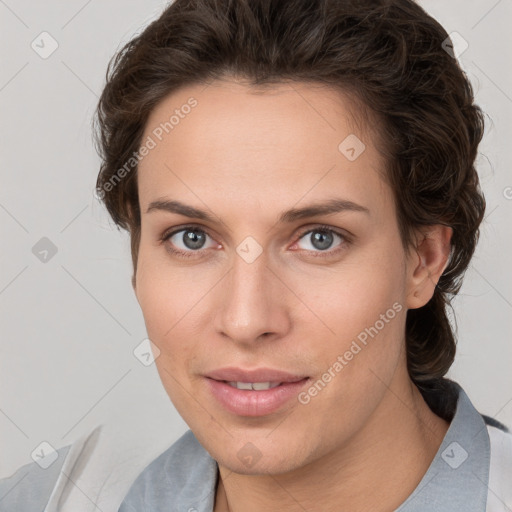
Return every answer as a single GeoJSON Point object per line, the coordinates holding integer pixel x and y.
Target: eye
{"type": "Point", "coordinates": [191, 241]}
{"type": "Point", "coordinates": [187, 241]}
{"type": "Point", "coordinates": [321, 239]}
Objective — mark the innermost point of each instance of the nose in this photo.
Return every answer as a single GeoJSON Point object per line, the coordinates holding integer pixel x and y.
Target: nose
{"type": "Point", "coordinates": [253, 303]}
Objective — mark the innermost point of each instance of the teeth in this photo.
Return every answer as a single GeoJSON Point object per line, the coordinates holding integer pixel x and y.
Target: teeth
{"type": "Point", "coordinates": [242, 385]}
{"type": "Point", "coordinates": [257, 386]}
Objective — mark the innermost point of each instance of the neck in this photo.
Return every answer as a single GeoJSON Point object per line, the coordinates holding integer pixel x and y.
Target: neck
{"type": "Point", "coordinates": [387, 458]}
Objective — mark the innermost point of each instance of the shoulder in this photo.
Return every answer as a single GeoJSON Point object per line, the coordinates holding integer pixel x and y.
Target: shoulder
{"type": "Point", "coordinates": [499, 498]}
{"type": "Point", "coordinates": [184, 475]}
{"type": "Point", "coordinates": [29, 488]}
{"type": "Point", "coordinates": [41, 485]}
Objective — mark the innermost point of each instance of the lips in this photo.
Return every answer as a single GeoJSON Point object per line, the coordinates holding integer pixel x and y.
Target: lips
{"type": "Point", "coordinates": [232, 374]}
{"type": "Point", "coordinates": [254, 392]}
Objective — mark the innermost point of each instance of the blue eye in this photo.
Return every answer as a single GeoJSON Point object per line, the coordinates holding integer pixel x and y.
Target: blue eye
{"type": "Point", "coordinates": [191, 241]}
{"type": "Point", "coordinates": [321, 238]}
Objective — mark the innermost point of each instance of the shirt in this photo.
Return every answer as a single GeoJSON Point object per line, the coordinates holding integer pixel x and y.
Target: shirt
{"type": "Point", "coordinates": [471, 472]}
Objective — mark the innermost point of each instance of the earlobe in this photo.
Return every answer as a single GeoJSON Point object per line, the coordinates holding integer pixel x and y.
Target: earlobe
{"type": "Point", "coordinates": [427, 262]}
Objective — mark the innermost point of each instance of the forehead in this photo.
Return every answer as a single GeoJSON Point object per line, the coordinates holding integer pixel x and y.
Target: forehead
{"type": "Point", "coordinates": [256, 145]}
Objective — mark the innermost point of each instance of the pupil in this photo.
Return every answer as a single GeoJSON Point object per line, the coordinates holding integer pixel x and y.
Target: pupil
{"type": "Point", "coordinates": [193, 239]}
{"type": "Point", "coordinates": [321, 239]}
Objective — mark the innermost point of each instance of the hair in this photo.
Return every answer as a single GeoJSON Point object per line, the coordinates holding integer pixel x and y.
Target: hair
{"type": "Point", "coordinates": [390, 56]}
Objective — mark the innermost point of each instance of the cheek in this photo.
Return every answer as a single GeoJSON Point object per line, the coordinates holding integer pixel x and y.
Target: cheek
{"type": "Point", "coordinates": [170, 300]}
{"type": "Point", "coordinates": [356, 297]}
{"type": "Point", "coordinates": [160, 305]}
{"type": "Point", "coordinates": [160, 292]}
{"type": "Point", "coordinates": [364, 309]}
{"type": "Point", "coordinates": [164, 307]}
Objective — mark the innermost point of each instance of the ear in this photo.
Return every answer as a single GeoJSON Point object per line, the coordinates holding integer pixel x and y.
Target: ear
{"type": "Point", "coordinates": [426, 263]}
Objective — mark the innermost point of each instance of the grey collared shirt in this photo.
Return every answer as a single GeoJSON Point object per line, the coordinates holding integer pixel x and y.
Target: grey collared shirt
{"type": "Point", "coordinates": [184, 477]}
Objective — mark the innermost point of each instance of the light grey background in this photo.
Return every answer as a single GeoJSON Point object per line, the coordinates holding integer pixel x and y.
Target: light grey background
{"type": "Point", "coordinates": [69, 326]}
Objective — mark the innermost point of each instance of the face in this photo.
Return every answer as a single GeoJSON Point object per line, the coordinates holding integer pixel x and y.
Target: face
{"type": "Point", "coordinates": [240, 280]}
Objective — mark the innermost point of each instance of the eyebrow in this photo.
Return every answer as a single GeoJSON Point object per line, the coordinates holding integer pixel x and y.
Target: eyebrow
{"type": "Point", "coordinates": [328, 207]}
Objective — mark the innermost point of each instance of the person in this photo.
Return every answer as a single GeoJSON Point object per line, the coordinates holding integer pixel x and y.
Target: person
{"type": "Point", "coordinates": [298, 180]}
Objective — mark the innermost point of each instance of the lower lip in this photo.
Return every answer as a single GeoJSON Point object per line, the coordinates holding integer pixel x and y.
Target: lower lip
{"type": "Point", "coordinates": [254, 403]}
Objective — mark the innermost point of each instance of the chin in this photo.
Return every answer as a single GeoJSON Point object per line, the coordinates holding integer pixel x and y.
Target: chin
{"type": "Point", "coordinates": [267, 465]}
{"type": "Point", "coordinates": [261, 456]}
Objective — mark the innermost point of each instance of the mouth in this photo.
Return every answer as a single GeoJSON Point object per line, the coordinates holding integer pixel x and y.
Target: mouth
{"type": "Point", "coordinates": [254, 376]}
{"type": "Point", "coordinates": [254, 392]}
{"type": "Point", "coordinates": [255, 386]}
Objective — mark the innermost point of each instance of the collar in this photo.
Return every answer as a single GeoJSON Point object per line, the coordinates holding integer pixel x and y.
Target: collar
{"type": "Point", "coordinates": [184, 477]}
{"type": "Point", "coordinates": [458, 476]}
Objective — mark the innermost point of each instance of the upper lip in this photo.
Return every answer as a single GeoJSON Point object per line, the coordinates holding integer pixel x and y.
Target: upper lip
{"type": "Point", "coordinates": [232, 374]}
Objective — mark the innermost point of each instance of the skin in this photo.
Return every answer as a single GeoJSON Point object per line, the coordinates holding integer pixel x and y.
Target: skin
{"type": "Point", "coordinates": [245, 155]}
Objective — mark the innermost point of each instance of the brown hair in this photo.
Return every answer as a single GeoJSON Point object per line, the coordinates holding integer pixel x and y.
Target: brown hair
{"type": "Point", "coordinates": [389, 54]}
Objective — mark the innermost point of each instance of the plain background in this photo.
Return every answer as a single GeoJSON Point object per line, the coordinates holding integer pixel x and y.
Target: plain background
{"type": "Point", "coordinates": [69, 326]}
